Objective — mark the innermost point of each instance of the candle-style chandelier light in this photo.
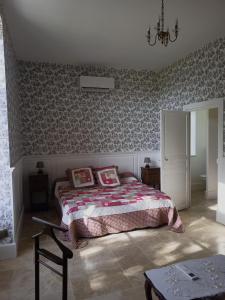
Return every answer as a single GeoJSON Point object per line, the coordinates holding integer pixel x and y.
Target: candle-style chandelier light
{"type": "Point", "coordinates": [161, 35]}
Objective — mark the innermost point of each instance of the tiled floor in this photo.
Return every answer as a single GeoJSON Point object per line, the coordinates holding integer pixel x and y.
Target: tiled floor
{"type": "Point", "coordinates": [112, 267]}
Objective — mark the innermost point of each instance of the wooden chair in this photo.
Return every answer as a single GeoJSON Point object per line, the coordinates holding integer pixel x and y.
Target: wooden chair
{"type": "Point", "coordinates": [60, 261]}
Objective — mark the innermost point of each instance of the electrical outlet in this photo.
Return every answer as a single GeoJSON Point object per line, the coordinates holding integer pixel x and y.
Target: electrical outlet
{"type": "Point", "coordinates": [3, 233]}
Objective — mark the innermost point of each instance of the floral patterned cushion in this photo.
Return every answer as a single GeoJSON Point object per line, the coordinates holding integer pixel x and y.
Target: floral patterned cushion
{"type": "Point", "coordinates": [107, 176]}
{"type": "Point", "coordinates": [82, 177]}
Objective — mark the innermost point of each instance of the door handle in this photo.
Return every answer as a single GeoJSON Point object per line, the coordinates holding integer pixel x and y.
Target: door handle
{"type": "Point", "coordinates": [166, 159]}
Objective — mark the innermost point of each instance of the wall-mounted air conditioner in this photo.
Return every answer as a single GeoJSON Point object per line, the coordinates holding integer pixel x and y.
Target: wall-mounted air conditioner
{"type": "Point", "coordinates": [93, 83]}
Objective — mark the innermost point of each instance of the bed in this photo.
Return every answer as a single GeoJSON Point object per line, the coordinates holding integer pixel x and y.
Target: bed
{"type": "Point", "coordinates": [97, 211]}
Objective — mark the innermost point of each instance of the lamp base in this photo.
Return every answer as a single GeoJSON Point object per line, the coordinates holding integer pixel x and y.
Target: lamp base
{"type": "Point", "coordinates": [40, 171]}
{"type": "Point", "coordinates": [147, 166]}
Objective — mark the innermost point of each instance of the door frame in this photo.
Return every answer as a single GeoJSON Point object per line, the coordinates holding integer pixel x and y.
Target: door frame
{"type": "Point", "coordinates": [205, 105]}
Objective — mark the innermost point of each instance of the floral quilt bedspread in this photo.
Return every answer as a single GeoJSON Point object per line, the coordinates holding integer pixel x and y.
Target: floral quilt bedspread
{"type": "Point", "coordinates": [130, 196]}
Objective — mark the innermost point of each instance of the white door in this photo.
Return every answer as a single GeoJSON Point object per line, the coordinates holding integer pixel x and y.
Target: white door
{"type": "Point", "coordinates": [175, 156]}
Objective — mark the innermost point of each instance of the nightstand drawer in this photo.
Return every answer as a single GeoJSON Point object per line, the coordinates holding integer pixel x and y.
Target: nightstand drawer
{"type": "Point", "coordinates": [38, 182]}
{"type": "Point", "coordinates": [153, 172]}
{"type": "Point", "coordinates": [151, 176]}
{"type": "Point", "coordinates": [38, 186]}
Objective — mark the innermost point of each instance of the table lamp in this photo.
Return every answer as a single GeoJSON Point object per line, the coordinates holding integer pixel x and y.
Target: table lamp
{"type": "Point", "coordinates": [40, 166]}
{"type": "Point", "coordinates": [147, 161]}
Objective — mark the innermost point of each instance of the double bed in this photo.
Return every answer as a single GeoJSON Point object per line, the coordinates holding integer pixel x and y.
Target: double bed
{"type": "Point", "coordinates": [97, 211]}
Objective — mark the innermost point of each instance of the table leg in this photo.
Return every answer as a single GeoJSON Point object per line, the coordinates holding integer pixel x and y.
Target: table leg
{"type": "Point", "coordinates": [148, 289]}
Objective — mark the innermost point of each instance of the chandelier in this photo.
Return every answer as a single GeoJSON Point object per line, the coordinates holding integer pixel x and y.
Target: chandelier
{"type": "Point", "coordinates": [161, 35]}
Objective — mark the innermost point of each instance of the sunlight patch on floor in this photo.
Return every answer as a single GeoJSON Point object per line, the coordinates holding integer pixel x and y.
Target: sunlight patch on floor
{"type": "Point", "coordinates": [133, 270]}
{"type": "Point", "coordinates": [159, 262]}
{"type": "Point", "coordinates": [170, 246]}
{"type": "Point", "coordinates": [198, 222]}
{"type": "Point", "coordinates": [213, 207]}
{"type": "Point", "coordinates": [90, 251]}
{"type": "Point", "coordinates": [204, 244]}
{"type": "Point", "coordinates": [193, 248]}
{"type": "Point", "coordinates": [142, 233]}
{"type": "Point", "coordinates": [120, 238]}
{"type": "Point", "coordinates": [98, 282]}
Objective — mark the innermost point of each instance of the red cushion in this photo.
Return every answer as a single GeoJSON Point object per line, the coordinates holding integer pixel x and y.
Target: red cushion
{"type": "Point", "coordinates": [82, 177]}
{"type": "Point", "coordinates": [107, 176]}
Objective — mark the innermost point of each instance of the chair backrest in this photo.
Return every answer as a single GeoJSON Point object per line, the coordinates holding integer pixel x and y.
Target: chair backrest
{"type": "Point", "coordinates": [48, 229]}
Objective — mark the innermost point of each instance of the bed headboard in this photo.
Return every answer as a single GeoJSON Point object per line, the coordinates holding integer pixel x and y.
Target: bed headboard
{"type": "Point", "coordinates": [55, 165]}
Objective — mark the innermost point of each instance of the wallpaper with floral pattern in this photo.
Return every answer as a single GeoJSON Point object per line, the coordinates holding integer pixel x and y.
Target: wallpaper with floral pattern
{"type": "Point", "coordinates": [8, 94]}
{"type": "Point", "coordinates": [13, 101]}
{"type": "Point", "coordinates": [197, 77]}
{"type": "Point", "coordinates": [59, 118]}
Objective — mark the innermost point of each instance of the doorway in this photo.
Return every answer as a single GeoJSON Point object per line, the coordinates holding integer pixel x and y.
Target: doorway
{"type": "Point", "coordinates": [175, 155]}
{"type": "Point", "coordinates": [204, 154]}
{"type": "Point", "coordinates": [215, 176]}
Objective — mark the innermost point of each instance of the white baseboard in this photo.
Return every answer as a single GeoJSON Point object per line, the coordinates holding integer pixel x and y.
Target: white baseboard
{"type": "Point", "coordinates": [8, 251]}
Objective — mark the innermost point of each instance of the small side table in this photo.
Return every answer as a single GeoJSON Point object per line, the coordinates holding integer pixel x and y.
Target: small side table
{"type": "Point", "coordinates": [170, 283]}
{"type": "Point", "coordinates": [151, 176]}
{"type": "Point", "coordinates": [39, 191]}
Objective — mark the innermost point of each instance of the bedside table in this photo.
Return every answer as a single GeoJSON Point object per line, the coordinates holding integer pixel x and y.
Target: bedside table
{"type": "Point", "coordinates": [151, 176]}
{"type": "Point", "coordinates": [39, 187]}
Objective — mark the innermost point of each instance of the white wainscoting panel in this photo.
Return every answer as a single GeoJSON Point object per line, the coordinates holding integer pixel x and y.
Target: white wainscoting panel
{"type": "Point", "coordinates": [8, 251]}
{"type": "Point", "coordinates": [17, 193]}
{"type": "Point", "coordinates": [55, 165]}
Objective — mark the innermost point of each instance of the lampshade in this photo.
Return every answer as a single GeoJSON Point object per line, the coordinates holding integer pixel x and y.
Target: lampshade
{"type": "Point", "coordinates": [147, 160]}
{"type": "Point", "coordinates": [40, 165]}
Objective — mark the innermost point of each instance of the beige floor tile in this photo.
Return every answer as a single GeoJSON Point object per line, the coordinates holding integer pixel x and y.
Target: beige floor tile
{"type": "Point", "coordinates": [5, 279]}
{"type": "Point", "coordinates": [136, 293]}
{"type": "Point", "coordinates": [100, 282]}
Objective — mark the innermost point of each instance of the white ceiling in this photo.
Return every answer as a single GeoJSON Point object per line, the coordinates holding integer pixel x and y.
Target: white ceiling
{"type": "Point", "coordinates": [109, 32]}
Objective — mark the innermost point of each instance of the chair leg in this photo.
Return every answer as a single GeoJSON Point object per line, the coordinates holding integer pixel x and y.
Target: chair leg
{"type": "Point", "coordinates": [64, 284]}
{"type": "Point", "coordinates": [37, 270]}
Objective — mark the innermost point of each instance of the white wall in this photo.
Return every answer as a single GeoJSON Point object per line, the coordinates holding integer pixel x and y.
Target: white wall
{"type": "Point", "coordinates": [198, 162]}
{"type": "Point", "coordinates": [212, 155]}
